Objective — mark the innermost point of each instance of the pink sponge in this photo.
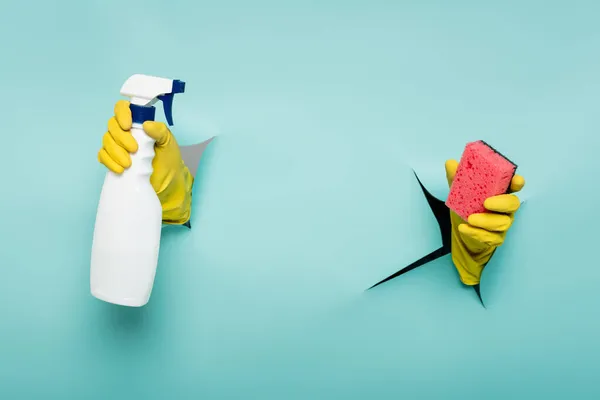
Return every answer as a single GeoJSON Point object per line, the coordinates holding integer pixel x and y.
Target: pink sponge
{"type": "Point", "coordinates": [482, 172]}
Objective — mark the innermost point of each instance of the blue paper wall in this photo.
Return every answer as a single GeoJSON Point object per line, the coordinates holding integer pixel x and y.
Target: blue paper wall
{"type": "Point", "coordinates": [304, 200]}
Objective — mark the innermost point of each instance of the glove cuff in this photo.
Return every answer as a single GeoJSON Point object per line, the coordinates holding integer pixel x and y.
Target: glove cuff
{"type": "Point", "coordinates": [176, 200]}
{"type": "Point", "coordinates": [469, 265]}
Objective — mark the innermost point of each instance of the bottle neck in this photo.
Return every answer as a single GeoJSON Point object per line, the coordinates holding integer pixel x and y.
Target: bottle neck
{"type": "Point", "coordinates": [141, 160]}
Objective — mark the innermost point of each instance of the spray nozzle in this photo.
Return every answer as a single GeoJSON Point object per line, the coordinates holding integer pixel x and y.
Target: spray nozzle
{"type": "Point", "coordinates": [145, 90]}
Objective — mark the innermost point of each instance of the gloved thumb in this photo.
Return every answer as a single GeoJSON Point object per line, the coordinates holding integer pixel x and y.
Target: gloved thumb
{"type": "Point", "coordinates": [159, 132]}
{"type": "Point", "coordinates": [451, 167]}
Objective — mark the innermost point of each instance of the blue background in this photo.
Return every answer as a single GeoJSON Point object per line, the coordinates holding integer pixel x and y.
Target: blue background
{"type": "Point", "coordinates": [305, 199]}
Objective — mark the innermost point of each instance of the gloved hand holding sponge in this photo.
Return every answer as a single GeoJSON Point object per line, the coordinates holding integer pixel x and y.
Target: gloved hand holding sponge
{"type": "Point", "coordinates": [171, 178]}
{"type": "Point", "coordinates": [483, 221]}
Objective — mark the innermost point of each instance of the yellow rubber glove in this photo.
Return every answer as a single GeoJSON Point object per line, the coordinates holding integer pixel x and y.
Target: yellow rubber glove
{"type": "Point", "coordinates": [171, 179]}
{"type": "Point", "coordinates": [474, 240]}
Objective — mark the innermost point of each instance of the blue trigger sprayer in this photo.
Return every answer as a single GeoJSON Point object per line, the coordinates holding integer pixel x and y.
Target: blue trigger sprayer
{"type": "Point", "coordinates": [128, 225]}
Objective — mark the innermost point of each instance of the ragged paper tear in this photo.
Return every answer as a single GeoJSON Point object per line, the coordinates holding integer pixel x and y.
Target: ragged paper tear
{"type": "Point", "coordinates": [191, 156]}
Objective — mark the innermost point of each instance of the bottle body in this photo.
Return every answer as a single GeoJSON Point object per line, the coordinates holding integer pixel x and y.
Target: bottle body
{"type": "Point", "coordinates": [127, 231]}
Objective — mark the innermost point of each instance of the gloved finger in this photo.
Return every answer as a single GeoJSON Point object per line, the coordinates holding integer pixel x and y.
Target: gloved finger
{"type": "Point", "coordinates": [516, 183]}
{"type": "Point", "coordinates": [490, 221]}
{"type": "Point", "coordinates": [157, 131]}
{"type": "Point", "coordinates": [451, 167]}
{"type": "Point", "coordinates": [108, 162]}
{"type": "Point", "coordinates": [116, 152]}
{"type": "Point", "coordinates": [123, 114]}
{"type": "Point", "coordinates": [481, 235]}
{"type": "Point", "coordinates": [504, 203]}
{"type": "Point", "coordinates": [121, 137]}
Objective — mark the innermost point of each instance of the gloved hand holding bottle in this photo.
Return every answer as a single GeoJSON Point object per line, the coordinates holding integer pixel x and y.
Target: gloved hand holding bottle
{"type": "Point", "coordinates": [475, 240]}
{"type": "Point", "coordinates": [171, 178]}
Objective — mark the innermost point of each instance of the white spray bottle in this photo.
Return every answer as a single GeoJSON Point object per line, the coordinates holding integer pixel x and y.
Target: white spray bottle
{"type": "Point", "coordinates": [129, 218]}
